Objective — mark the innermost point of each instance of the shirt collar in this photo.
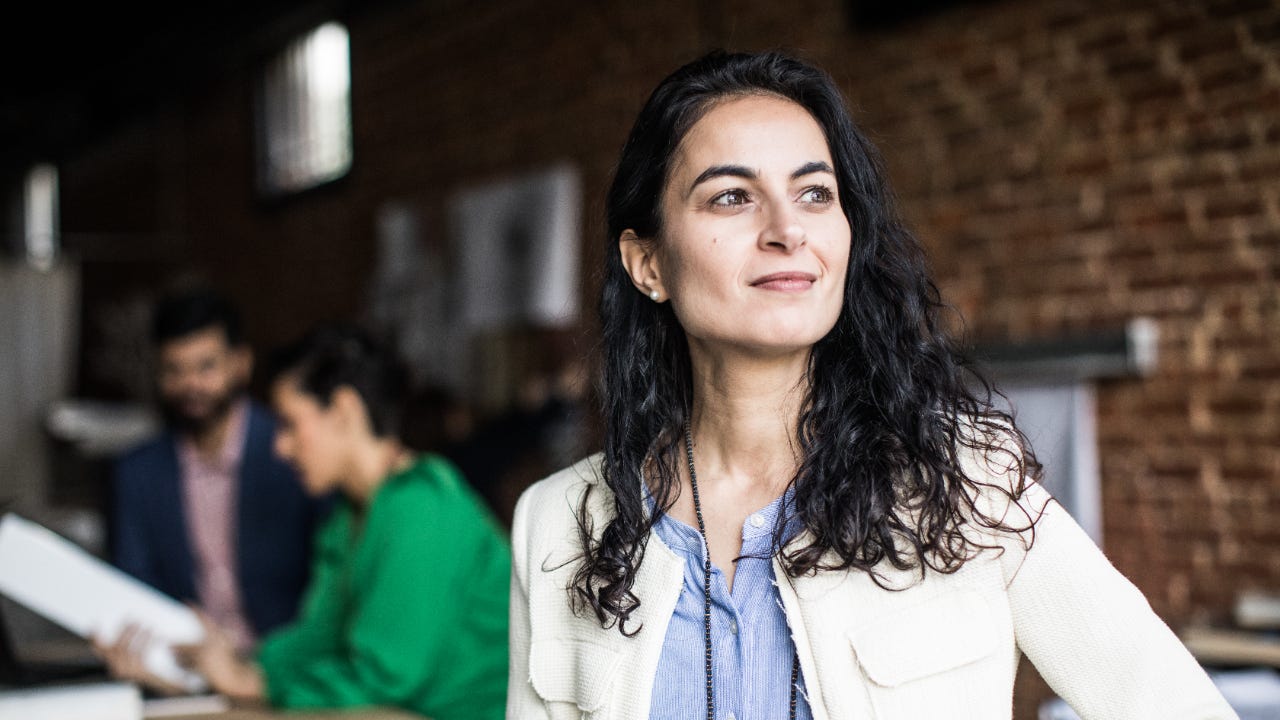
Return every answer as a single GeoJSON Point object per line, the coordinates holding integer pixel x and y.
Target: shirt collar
{"type": "Point", "coordinates": [757, 528]}
{"type": "Point", "coordinates": [228, 458]}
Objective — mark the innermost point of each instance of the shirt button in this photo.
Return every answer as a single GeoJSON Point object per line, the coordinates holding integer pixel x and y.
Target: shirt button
{"type": "Point", "coordinates": [733, 626]}
{"type": "Point", "coordinates": [757, 520]}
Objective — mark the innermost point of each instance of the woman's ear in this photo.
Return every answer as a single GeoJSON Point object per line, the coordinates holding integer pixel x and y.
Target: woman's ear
{"type": "Point", "coordinates": [641, 263]}
{"type": "Point", "coordinates": [349, 409]}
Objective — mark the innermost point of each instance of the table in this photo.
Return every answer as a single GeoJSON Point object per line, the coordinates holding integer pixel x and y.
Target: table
{"type": "Point", "coordinates": [267, 714]}
{"type": "Point", "coordinates": [122, 701]}
{"type": "Point", "coordinates": [217, 707]}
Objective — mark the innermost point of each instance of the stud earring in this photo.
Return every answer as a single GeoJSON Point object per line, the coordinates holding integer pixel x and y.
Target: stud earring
{"type": "Point", "coordinates": [654, 295]}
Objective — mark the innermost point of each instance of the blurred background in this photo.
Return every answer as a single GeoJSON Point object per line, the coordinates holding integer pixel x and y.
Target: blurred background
{"type": "Point", "coordinates": [1098, 185]}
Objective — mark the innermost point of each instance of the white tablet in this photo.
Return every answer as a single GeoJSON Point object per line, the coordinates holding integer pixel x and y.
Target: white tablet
{"type": "Point", "coordinates": [57, 579]}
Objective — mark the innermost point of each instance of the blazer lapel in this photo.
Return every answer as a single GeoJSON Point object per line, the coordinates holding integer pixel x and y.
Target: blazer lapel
{"type": "Point", "coordinates": [791, 605]}
{"type": "Point", "coordinates": [254, 461]}
{"type": "Point", "coordinates": [658, 583]}
{"type": "Point", "coordinates": [657, 587]}
{"type": "Point", "coordinates": [179, 568]}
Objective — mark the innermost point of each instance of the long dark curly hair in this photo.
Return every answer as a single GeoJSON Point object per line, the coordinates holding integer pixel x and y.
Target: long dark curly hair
{"type": "Point", "coordinates": [891, 403]}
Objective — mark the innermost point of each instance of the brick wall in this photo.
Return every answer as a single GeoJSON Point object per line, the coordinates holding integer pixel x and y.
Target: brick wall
{"type": "Point", "coordinates": [1074, 164]}
{"type": "Point", "coordinates": [1069, 163]}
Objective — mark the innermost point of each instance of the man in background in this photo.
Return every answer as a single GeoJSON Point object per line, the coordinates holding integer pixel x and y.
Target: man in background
{"type": "Point", "coordinates": [206, 512]}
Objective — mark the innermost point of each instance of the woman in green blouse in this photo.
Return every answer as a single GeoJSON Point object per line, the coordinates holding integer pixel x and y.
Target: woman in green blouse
{"type": "Point", "coordinates": [407, 605]}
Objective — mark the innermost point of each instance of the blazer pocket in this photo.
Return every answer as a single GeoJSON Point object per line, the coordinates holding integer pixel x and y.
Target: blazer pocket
{"type": "Point", "coordinates": [572, 671]}
{"type": "Point", "coordinates": [931, 637]}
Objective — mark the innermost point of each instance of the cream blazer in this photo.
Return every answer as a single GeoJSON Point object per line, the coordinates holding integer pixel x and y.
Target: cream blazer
{"type": "Point", "coordinates": [946, 646]}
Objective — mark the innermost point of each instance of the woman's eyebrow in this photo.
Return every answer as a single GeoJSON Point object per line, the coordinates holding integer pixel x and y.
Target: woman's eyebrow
{"type": "Point", "coordinates": [716, 171]}
{"type": "Point", "coordinates": [809, 168]}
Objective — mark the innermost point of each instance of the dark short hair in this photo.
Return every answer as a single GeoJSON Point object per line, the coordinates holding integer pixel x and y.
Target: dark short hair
{"type": "Point", "coordinates": [179, 315]}
{"type": "Point", "coordinates": [334, 356]}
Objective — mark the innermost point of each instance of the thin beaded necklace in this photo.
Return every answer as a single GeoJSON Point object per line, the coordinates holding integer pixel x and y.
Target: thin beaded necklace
{"type": "Point", "coordinates": [706, 592]}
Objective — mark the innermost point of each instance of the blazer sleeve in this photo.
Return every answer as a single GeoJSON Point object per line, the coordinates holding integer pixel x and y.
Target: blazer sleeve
{"type": "Point", "coordinates": [522, 702]}
{"type": "Point", "coordinates": [130, 549]}
{"type": "Point", "coordinates": [1092, 634]}
{"type": "Point", "coordinates": [318, 629]}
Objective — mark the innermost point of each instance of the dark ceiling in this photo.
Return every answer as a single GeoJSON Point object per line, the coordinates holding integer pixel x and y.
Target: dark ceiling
{"type": "Point", "coordinates": [78, 70]}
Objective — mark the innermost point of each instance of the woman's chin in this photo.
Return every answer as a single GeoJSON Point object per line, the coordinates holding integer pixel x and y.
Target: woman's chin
{"type": "Point", "coordinates": [315, 487]}
{"type": "Point", "coordinates": [773, 335]}
{"type": "Point", "coordinates": [768, 347]}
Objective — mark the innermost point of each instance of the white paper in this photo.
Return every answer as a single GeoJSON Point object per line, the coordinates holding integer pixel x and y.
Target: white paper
{"type": "Point", "coordinates": [98, 701]}
{"type": "Point", "coordinates": [62, 582]}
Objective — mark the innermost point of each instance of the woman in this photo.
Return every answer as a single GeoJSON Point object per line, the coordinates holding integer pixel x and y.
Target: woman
{"type": "Point", "coordinates": [802, 508]}
{"type": "Point", "coordinates": [407, 603]}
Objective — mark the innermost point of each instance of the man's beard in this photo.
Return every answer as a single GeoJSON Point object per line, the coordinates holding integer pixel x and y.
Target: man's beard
{"type": "Point", "coordinates": [184, 423]}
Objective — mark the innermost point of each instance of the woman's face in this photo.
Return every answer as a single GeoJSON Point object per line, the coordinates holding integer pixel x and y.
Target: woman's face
{"type": "Point", "coordinates": [755, 245]}
{"type": "Point", "coordinates": [310, 437]}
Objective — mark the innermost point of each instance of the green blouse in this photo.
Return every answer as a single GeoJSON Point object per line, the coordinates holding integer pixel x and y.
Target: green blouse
{"type": "Point", "coordinates": [407, 605]}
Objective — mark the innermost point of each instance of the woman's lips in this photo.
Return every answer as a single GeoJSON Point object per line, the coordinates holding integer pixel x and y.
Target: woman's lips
{"type": "Point", "coordinates": [785, 281]}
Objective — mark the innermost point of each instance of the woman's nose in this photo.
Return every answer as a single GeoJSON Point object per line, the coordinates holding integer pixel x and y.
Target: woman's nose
{"type": "Point", "coordinates": [782, 229]}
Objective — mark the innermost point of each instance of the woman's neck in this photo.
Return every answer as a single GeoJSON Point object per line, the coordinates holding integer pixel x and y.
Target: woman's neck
{"type": "Point", "coordinates": [744, 418]}
{"type": "Point", "coordinates": [372, 463]}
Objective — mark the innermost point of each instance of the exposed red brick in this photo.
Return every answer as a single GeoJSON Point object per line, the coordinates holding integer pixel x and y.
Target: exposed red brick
{"type": "Point", "coordinates": [1199, 178]}
{"type": "Point", "coordinates": [1172, 20]}
{"type": "Point", "coordinates": [1105, 38]}
{"type": "Point", "coordinates": [1232, 207]}
{"type": "Point", "coordinates": [1086, 107]}
{"type": "Point", "coordinates": [1265, 372]}
{"type": "Point", "coordinates": [1229, 8]}
{"type": "Point", "coordinates": [1146, 91]}
{"type": "Point", "coordinates": [1235, 73]}
{"type": "Point", "coordinates": [1064, 18]}
{"type": "Point", "coordinates": [1207, 40]}
{"type": "Point", "coordinates": [1266, 29]}
{"type": "Point", "coordinates": [1219, 139]}
{"type": "Point", "coordinates": [985, 71]}
{"type": "Point", "coordinates": [1130, 63]}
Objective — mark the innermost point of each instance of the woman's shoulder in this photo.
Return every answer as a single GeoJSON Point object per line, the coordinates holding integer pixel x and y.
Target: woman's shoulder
{"type": "Point", "coordinates": [1001, 479]}
{"type": "Point", "coordinates": [1006, 502]}
{"type": "Point", "coordinates": [430, 481]}
{"type": "Point", "coordinates": [427, 473]}
{"type": "Point", "coordinates": [549, 513]}
{"type": "Point", "coordinates": [560, 494]}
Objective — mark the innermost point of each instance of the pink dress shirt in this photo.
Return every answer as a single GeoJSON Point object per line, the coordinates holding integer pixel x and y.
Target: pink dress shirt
{"type": "Point", "coordinates": [210, 494]}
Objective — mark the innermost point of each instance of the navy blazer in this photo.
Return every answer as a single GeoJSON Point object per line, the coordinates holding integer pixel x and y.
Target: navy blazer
{"type": "Point", "coordinates": [274, 524]}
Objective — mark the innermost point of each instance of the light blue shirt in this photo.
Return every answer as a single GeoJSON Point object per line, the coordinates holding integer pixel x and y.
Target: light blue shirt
{"type": "Point", "coordinates": [751, 646]}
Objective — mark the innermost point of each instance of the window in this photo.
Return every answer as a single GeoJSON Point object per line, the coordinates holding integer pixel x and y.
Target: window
{"type": "Point", "coordinates": [305, 113]}
{"type": "Point", "coordinates": [1058, 417]}
{"type": "Point", "coordinates": [40, 216]}
{"type": "Point", "coordinates": [1051, 389]}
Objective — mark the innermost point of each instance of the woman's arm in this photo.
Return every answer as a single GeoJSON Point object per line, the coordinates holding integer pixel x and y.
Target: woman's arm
{"type": "Point", "coordinates": [124, 659]}
{"type": "Point", "coordinates": [1092, 634]}
{"type": "Point", "coordinates": [375, 651]}
{"type": "Point", "coordinates": [215, 658]}
{"type": "Point", "coordinates": [418, 586]}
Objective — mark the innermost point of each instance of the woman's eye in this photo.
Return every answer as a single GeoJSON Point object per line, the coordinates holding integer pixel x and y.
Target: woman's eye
{"type": "Point", "coordinates": [729, 198]}
{"type": "Point", "coordinates": [817, 194]}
